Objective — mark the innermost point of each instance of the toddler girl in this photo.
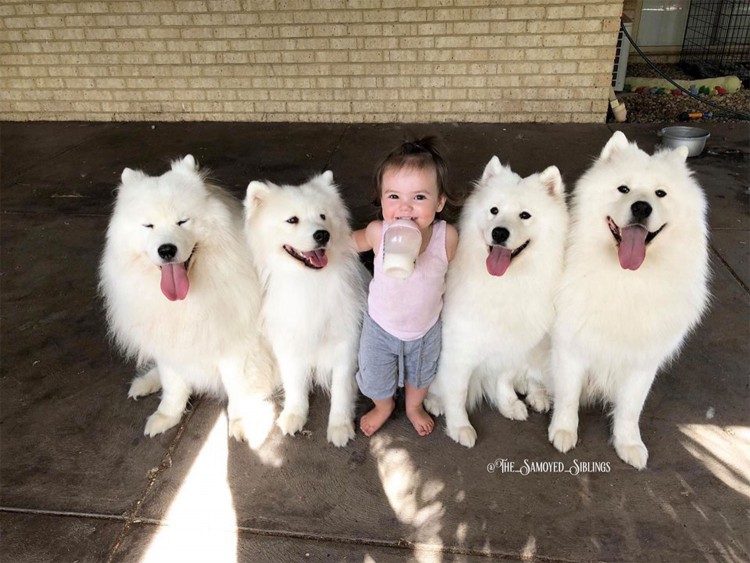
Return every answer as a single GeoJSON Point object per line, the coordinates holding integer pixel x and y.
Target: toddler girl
{"type": "Point", "coordinates": [400, 341]}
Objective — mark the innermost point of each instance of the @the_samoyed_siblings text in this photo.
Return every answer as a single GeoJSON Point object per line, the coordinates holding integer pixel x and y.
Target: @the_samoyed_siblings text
{"type": "Point", "coordinates": [526, 467]}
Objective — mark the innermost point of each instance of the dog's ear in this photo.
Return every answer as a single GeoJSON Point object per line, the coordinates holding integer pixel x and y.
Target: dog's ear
{"type": "Point", "coordinates": [617, 142]}
{"type": "Point", "coordinates": [254, 197]}
{"type": "Point", "coordinates": [679, 154]}
{"type": "Point", "coordinates": [187, 163]}
{"type": "Point", "coordinates": [493, 168]}
{"type": "Point", "coordinates": [325, 182]}
{"type": "Point", "coordinates": [552, 181]}
{"type": "Point", "coordinates": [130, 176]}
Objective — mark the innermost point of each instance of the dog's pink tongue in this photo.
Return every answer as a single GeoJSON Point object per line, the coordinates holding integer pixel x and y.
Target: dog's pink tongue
{"type": "Point", "coordinates": [498, 260]}
{"type": "Point", "coordinates": [632, 250]}
{"type": "Point", "coordinates": [174, 281]}
{"type": "Point", "coordinates": [317, 258]}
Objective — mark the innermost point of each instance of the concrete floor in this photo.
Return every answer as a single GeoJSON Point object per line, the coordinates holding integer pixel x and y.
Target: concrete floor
{"type": "Point", "coordinates": [80, 482]}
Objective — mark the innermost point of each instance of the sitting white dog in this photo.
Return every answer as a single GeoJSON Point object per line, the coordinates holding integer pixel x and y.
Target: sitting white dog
{"type": "Point", "coordinates": [498, 302]}
{"type": "Point", "coordinates": [182, 296]}
{"type": "Point", "coordinates": [635, 284]}
{"type": "Point", "coordinates": [314, 295]}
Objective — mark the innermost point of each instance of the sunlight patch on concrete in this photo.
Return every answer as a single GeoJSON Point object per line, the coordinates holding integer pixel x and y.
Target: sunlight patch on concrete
{"type": "Point", "coordinates": [412, 499]}
{"type": "Point", "coordinates": [725, 451]}
{"type": "Point", "coordinates": [201, 523]}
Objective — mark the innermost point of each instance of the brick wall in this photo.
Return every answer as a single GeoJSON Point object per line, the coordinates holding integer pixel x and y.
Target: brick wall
{"type": "Point", "coordinates": [307, 60]}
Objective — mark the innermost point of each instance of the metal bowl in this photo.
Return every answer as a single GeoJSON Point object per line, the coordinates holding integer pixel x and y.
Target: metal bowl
{"type": "Point", "coordinates": [694, 138]}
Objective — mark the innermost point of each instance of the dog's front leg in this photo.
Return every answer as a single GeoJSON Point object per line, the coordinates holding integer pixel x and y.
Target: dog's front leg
{"type": "Point", "coordinates": [249, 407]}
{"type": "Point", "coordinates": [630, 395]}
{"type": "Point", "coordinates": [568, 372]}
{"type": "Point", "coordinates": [295, 380]}
{"type": "Point", "coordinates": [175, 395]}
{"type": "Point", "coordinates": [508, 403]}
{"type": "Point", "coordinates": [457, 422]}
{"type": "Point", "coordinates": [343, 395]}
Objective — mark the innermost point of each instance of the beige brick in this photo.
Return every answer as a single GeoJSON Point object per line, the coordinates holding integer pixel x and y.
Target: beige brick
{"type": "Point", "coordinates": [453, 42]}
{"type": "Point", "coordinates": [544, 26]}
{"type": "Point", "coordinates": [416, 42]}
{"type": "Point", "coordinates": [526, 13]}
{"type": "Point", "coordinates": [567, 40]}
{"type": "Point", "coordinates": [609, 10]}
{"type": "Point", "coordinates": [545, 54]}
{"type": "Point", "coordinates": [612, 24]}
{"type": "Point", "coordinates": [451, 14]}
{"type": "Point", "coordinates": [332, 56]}
{"type": "Point", "coordinates": [507, 54]}
{"type": "Point", "coordinates": [525, 41]}
{"type": "Point", "coordinates": [508, 27]}
{"type": "Point", "coordinates": [491, 41]}
{"type": "Point", "coordinates": [381, 16]}
{"type": "Point", "coordinates": [224, 5]}
{"type": "Point", "coordinates": [471, 28]}
{"type": "Point", "coordinates": [583, 26]}
{"type": "Point", "coordinates": [564, 12]}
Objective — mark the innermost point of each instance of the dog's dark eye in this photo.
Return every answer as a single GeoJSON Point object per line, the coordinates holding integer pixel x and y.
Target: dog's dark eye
{"type": "Point", "coordinates": [660, 193]}
{"type": "Point", "coordinates": [623, 189]}
{"type": "Point", "coordinates": [293, 220]}
{"type": "Point", "coordinates": [323, 216]}
{"type": "Point", "coordinates": [181, 223]}
{"type": "Point", "coordinates": [149, 225]}
{"type": "Point", "coordinates": [525, 215]}
{"type": "Point", "coordinates": [494, 210]}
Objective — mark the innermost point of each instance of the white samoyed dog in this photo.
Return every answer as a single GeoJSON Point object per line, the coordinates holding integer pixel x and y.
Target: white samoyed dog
{"type": "Point", "coordinates": [498, 305]}
{"type": "Point", "coordinates": [182, 296]}
{"type": "Point", "coordinates": [635, 284]}
{"type": "Point", "coordinates": [314, 295]}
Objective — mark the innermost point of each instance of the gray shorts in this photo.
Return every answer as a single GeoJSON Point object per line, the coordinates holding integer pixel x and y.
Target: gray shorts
{"type": "Point", "coordinates": [385, 362]}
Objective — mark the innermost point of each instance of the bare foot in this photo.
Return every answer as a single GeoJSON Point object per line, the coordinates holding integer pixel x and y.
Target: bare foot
{"type": "Point", "coordinates": [375, 418]}
{"type": "Point", "coordinates": [420, 420]}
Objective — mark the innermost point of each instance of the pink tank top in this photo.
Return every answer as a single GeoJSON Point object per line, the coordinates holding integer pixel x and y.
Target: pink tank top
{"type": "Point", "coordinates": [408, 308]}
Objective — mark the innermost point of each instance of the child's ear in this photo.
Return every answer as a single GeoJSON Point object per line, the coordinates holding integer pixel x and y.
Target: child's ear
{"type": "Point", "coordinates": [441, 202]}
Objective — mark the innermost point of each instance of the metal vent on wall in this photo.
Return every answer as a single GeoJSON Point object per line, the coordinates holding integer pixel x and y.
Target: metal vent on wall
{"type": "Point", "coordinates": [621, 56]}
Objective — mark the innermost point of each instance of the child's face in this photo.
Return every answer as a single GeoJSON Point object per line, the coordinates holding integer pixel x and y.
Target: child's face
{"type": "Point", "coordinates": [411, 193]}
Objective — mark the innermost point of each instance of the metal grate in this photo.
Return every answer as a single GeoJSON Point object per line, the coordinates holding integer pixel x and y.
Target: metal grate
{"type": "Point", "coordinates": [621, 57]}
{"type": "Point", "coordinates": [717, 39]}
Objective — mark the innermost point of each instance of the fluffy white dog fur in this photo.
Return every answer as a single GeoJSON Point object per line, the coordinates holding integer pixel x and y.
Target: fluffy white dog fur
{"type": "Point", "coordinates": [182, 296]}
{"type": "Point", "coordinates": [498, 301]}
{"type": "Point", "coordinates": [635, 284]}
{"type": "Point", "coordinates": [314, 295]}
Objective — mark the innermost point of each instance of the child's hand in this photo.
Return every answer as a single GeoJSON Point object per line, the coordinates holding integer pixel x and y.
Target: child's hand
{"type": "Point", "coordinates": [369, 237]}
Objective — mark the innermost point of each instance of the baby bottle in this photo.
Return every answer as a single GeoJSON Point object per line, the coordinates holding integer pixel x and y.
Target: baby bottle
{"type": "Point", "coordinates": [401, 244]}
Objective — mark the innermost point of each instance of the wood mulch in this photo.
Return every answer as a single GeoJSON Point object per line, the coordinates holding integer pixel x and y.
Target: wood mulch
{"type": "Point", "coordinates": [655, 108]}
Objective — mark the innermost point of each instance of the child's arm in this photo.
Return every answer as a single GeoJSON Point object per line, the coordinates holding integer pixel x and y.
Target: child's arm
{"type": "Point", "coordinates": [451, 241]}
{"type": "Point", "coordinates": [369, 237]}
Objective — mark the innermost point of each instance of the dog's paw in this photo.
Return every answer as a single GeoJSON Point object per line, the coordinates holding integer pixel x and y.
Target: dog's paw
{"type": "Point", "coordinates": [634, 454]}
{"type": "Point", "coordinates": [539, 401]}
{"type": "Point", "coordinates": [563, 440]}
{"type": "Point", "coordinates": [160, 422]}
{"type": "Point", "coordinates": [253, 424]}
{"type": "Point", "coordinates": [340, 434]}
{"type": "Point", "coordinates": [464, 435]}
{"type": "Point", "coordinates": [433, 405]}
{"type": "Point", "coordinates": [290, 422]}
{"type": "Point", "coordinates": [144, 385]}
{"type": "Point", "coordinates": [515, 410]}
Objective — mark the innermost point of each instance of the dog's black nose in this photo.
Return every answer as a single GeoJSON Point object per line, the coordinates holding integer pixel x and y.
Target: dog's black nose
{"type": "Point", "coordinates": [500, 235]}
{"type": "Point", "coordinates": [641, 209]}
{"type": "Point", "coordinates": [321, 237]}
{"type": "Point", "coordinates": [167, 251]}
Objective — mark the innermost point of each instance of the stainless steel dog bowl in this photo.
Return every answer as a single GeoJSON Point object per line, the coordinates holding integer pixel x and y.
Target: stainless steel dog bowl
{"type": "Point", "coordinates": [694, 138]}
